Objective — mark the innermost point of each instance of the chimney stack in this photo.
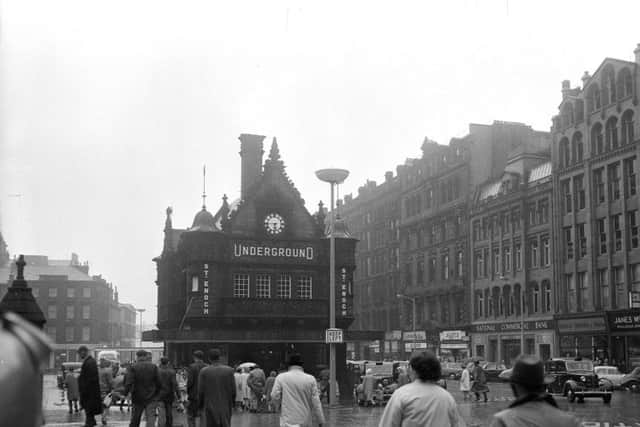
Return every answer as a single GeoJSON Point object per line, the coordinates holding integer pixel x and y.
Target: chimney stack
{"type": "Point", "coordinates": [251, 164]}
{"type": "Point", "coordinates": [636, 51]}
{"type": "Point", "coordinates": [566, 87]}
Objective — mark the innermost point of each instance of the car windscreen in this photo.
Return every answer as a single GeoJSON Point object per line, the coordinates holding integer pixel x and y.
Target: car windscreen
{"type": "Point", "coordinates": [583, 365]}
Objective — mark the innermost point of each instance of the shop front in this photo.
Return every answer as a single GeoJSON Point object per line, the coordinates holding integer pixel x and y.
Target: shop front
{"type": "Point", "coordinates": [502, 342]}
{"type": "Point", "coordinates": [624, 338]}
{"type": "Point", "coordinates": [454, 346]}
{"type": "Point", "coordinates": [583, 337]}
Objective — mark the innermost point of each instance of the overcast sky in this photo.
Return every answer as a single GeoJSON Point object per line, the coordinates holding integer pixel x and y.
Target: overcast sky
{"type": "Point", "coordinates": [108, 110]}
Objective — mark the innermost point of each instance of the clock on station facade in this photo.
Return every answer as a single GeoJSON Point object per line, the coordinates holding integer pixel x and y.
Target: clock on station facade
{"type": "Point", "coordinates": [274, 224]}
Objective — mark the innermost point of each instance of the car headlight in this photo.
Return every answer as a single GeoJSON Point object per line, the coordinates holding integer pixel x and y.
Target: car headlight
{"type": "Point", "coordinates": [583, 378]}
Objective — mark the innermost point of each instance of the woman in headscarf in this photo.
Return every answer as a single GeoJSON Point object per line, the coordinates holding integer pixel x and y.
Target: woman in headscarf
{"type": "Point", "coordinates": [479, 382]}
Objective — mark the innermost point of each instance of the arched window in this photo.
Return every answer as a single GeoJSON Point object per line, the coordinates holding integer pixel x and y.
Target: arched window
{"type": "Point", "coordinates": [565, 153]}
{"type": "Point", "coordinates": [597, 141]}
{"type": "Point", "coordinates": [593, 98]}
{"type": "Point", "coordinates": [626, 127]}
{"type": "Point", "coordinates": [577, 147]}
{"type": "Point", "coordinates": [624, 83]}
{"type": "Point", "coordinates": [579, 110]}
{"type": "Point", "coordinates": [611, 133]}
{"type": "Point", "coordinates": [567, 115]}
{"type": "Point", "coordinates": [546, 296]}
{"type": "Point", "coordinates": [506, 295]}
{"type": "Point", "coordinates": [608, 85]}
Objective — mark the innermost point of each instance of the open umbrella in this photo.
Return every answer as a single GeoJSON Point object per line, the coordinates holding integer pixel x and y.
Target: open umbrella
{"type": "Point", "coordinates": [247, 365]}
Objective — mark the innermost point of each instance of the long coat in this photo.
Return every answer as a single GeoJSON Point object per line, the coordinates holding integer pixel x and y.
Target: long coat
{"type": "Point", "coordinates": [479, 380]}
{"type": "Point", "coordinates": [368, 386]}
{"type": "Point", "coordinates": [216, 394]}
{"type": "Point", "coordinates": [89, 387]}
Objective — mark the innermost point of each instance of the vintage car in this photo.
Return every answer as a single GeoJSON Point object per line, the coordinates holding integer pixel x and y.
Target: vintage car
{"type": "Point", "coordinates": [575, 379]}
{"type": "Point", "coordinates": [493, 370]}
{"type": "Point", "coordinates": [451, 370]}
{"type": "Point", "coordinates": [611, 373]}
{"type": "Point", "coordinates": [631, 381]}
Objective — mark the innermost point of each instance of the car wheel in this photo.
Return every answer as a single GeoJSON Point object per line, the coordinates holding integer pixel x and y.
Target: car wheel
{"type": "Point", "coordinates": [581, 400]}
{"type": "Point", "coordinates": [606, 398]}
{"type": "Point", "coordinates": [571, 395]}
{"type": "Point", "coordinates": [633, 386]}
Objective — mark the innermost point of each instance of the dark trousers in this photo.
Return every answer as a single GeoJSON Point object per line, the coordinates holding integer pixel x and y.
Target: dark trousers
{"type": "Point", "coordinates": [168, 414]}
{"type": "Point", "coordinates": [90, 420]}
{"type": "Point", "coordinates": [136, 413]}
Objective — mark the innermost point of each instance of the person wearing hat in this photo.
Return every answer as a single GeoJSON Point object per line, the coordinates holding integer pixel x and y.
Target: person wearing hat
{"type": "Point", "coordinates": [533, 406]}
{"type": "Point", "coordinates": [298, 396]}
{"type": "Point", "coordinates": [89, 387]}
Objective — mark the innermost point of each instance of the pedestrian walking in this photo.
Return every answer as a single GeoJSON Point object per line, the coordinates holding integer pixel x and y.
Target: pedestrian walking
{"type": "Point", "coordinates": [368, 387]}
{"type": "Point", "coordinates": [268, 388]}
{"type": "Point", "coordinates": [216, 392]}
{"type": "Point", "coordinates": [244, 376]}
{"type": "Point", "coordinates": [192, 387]}
{"type": "Point", "coordinates": [533, 407]}
{"type": "Point", "coordinates": [256, 383]}
{"type": "Point", "coordinates": [73, 394]}
{"type": "Point", "coordinates": [89, 387]}
{"type": "Point", "coordinates": [297, 394]}
{"type": "Point", "coordinates": [239, 404]}
{"type": "Point", "coordinates": [144, 385]}
{"type": "Point", "coordinates": [403, 376]}
{"type": "Point", "coordinates": [105, 374]}
{"type": "Point", "coordinates": [465, 381]}
{"type": "Point", "coordinates": [168, 392]}
{"type": "Point", "coordinates": [422, 402]}
{"type": "Point", "coordinates": [479, 381]}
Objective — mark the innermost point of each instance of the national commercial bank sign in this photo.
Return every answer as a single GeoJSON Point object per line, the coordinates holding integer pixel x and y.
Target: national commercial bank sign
{"type": "Point", "coordinates": [291, 252]}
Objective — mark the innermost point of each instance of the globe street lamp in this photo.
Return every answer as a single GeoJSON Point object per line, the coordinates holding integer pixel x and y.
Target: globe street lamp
{"type": "Point", "coordinates": [413, 301]}
{"type": "Point", "coordinates": [333, 177]}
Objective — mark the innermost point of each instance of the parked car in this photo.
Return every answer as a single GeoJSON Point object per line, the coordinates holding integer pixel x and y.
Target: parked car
{"type": "Point", "coordinates": [506, 374]}
{"type": "Point", "coordinates": [493, 370]}
{"type": "Point", "coordinates": [631, 381]}
{"type": "Point", "coordinates": [64, 370]}
{"type": "Point", "coordinates": [452, 370]}
{"type": "Point", "coordinates": [575, 379]}
{"type": "Point", "coordinates": [612, 373]}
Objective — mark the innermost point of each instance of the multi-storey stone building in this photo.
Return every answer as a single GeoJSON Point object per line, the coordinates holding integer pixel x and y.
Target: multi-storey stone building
{"type": "Point", "coordinates": [595, 158]}
{"type": "Point", "coordinates": [80, 309]}
{"type": "Point", "coordinates": [511, 254]}
{"type": "Point", "coordinates": [373, 218]}
{"type": "Point", "coordinates": [437, 191]}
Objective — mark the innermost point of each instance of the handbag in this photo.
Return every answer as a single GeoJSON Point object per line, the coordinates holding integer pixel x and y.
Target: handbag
{"type": "Point", "coordinates": [108, 399]}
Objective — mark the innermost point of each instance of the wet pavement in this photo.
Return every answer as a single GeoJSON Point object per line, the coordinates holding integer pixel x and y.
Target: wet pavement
{"type": "Point", "coordinates": [624, 411]}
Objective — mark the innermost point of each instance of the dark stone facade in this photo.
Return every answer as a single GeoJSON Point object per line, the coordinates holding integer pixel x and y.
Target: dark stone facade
{"type": "Point", "coordinates": [253, 279]}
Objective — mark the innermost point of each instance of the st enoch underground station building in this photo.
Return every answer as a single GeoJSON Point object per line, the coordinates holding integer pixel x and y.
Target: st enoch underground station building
{"type": "Point", "coordinates": [253, 278]}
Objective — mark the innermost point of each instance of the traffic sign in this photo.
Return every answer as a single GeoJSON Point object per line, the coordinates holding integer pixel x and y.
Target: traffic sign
{"type": "Point", "coordinates": [333, 336]}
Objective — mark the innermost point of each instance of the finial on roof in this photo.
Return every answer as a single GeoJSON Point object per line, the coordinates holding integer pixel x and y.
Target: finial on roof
{"type": "Point", "coordinates": [204, 186]}
{"type": "Point", "coordinates": [20, 264]}
{"type": "Point", "coordinates": [169, 211]}
{"type": "Point", "coordinates": [224, 199]}
{"type": "Point", "coordinates": [274, 154]}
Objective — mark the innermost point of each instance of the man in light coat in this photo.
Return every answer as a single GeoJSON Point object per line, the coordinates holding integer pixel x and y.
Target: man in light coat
{"type": "Point", "coordinates": [298, 395]}
{"type": "Point", "coordinates": [533, 407]}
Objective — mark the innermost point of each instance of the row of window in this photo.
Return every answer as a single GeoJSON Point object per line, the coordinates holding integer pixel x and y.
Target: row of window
{"type": "Point", "coordinates": [71, 292]}
{"type": "Point", "coordinates": [433, 273]}
{"type": "Point", "coordinates": [505, 301]}
{"type": "Point", "coordinates": [509, 221]}
{"type": "Point", "coordinates": [606, 181]}
{"type": "Point", "coordinates": [436, 163]}
{"type": "Point", "coordinates": [611, 140]}
{"type": "Point", "coordinates": [52, 312]}
{"type": "Point", "coordinates": [434, 233]}
{"type": "Point", "coordinates": [447, 191]}
{"type": "Point", "coordinates": [503, 260]}
{"type": "Point", "coordinates": [608, 233]}
{"type": "Point", "coordinates": [581, 296]}
{"type": "Point", "coordinates": [262, 286]}
{"type": "Point", "coordinates": [70, 333]}
{"type": "Point", "coordinates": [379, 263]}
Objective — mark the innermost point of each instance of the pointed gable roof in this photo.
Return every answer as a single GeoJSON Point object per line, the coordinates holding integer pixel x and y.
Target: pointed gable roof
{"type": "Point", "coordinates": [274, 191]}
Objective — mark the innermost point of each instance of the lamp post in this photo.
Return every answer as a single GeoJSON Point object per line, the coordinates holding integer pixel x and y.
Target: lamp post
{"type": "Point", "coordinates": [333, 177]}
{"type": "Point", "coordinates": [413, 301]}
{"type": "Point", "coordinates": [140, 310]}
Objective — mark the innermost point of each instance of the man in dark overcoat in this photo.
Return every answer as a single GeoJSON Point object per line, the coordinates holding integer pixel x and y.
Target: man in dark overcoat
{"type": "Point", "coordinates": [216, 392]}
{"type": "Point", "coordinates": [89, 387]}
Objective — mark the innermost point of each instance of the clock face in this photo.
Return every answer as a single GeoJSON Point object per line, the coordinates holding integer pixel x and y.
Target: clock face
{"type": "Point", "coordinates": [274, 224]}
